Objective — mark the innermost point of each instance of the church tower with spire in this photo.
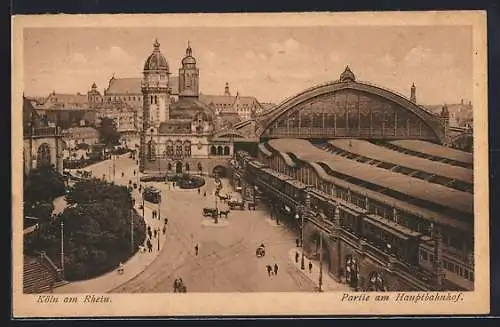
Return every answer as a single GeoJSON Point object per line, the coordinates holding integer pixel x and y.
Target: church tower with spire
{"type": "Point", "coordinates": [189, 76]}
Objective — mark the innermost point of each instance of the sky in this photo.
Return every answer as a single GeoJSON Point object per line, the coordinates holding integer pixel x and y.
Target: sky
{"type": "Point", "coordinates": [270, 63]}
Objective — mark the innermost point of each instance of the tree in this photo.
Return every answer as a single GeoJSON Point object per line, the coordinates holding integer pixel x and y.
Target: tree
{"type": "Point", "coordinates": [43, 184]}
{"type": "Point", "coordinates": [41, 210]}
{"type": "Point", "coordinates": [96, 190]}
{"type": "Point", "coordinates": [108, 133]}
{"type": "Point", "coordinates": [96, 229]}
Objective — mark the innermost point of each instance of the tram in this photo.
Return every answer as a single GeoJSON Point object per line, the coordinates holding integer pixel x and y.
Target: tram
{"type": "Point", "coordinates": [151, 194]}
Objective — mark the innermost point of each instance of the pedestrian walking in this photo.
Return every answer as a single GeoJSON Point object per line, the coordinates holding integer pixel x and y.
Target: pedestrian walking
{"type": "Point", "coordinates": [205, 194]}
{"type": "Point", "coordinates": [123, 174]}
{"type": "Point", "coordinates": [196, 250]}
{"type": "Point", "coordinates": [176, 285]}
{"type": "Point", "coordinates": [155, 232]}
{"type": "Point", "coordinates": [164, 229]}
{"type": "Point", "coordinates": [269, 270]}
{"type": "Point", "coordinates": [134, 172]}
{"type": "Point", "coordinates": [149, 245]}
{"type": "Point", "coordinates": [296, 257]}
{"type": "Point", "coordinates": [310, 266]}
{"type": "Point", "coordinates": [150, 233]}
{"type": "Point", "coordinates": [276, 269]}
{"type": "Point", "coordinates": [199, 191]}
{"type": "Point", "coordinates": [166, 221]}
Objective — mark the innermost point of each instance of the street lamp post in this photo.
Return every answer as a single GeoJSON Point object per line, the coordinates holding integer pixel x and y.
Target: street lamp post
{"type": "Point", "coordinates": [113, 157]}
{"type": "Point", "coordinates": [320, 283]}
{"type": "Point", "coordinates": [62, 247]}
{"type": "Point", "coordinates": [159, 218]}
{"type": "Point", "coordinates": [300, 216]}
{"type": "Point", "coordinates": [132, 226]}
{"type": "Point", "coordinates": [143, 214]}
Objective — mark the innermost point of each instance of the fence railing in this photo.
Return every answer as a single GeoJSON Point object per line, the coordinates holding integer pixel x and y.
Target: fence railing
{"type": "Point", "coordinates": [51, 263]}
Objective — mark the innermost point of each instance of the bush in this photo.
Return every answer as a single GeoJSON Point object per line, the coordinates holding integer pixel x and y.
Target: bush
{"type": "Point", "coordinates": [153, 178]}
{"type": "Point", "coordinates": [96, 230]}
{"type": "Point", "coordinates": [190, 182]}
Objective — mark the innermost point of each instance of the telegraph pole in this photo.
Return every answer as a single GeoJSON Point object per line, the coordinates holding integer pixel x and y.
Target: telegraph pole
{"type": "Point", "coordinates": [132, 226]}
{"type": "Point", "coordinates": [320, 263]}
{"type": "Point", "coordinates": [302, 264]}
{"type": "Point", "coordinates": [159, 218]}
{"type": "Point", "coordinates": [62, 246]}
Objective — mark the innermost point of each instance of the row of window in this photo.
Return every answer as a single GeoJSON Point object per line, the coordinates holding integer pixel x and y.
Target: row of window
{"type": "Point", "coordinates": [178, 150]}
{"type": "Point", "coordinates": [452, 267]}
{"type": "Point", "coordinates": [307, 176]}
{"type": "Point", "coordinates": [124, 98]}
{"type": "Point", "coordinates": [459, 270]}
{"type": "Point", "coordinates": [220, 150]}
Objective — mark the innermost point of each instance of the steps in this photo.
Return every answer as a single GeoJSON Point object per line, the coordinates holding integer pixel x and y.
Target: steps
{"type": "Point", "coordinates": [39, 276]}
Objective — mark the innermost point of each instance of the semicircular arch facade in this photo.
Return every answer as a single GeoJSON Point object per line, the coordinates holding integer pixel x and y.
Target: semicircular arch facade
{"type": "Point", "coordinates": [354, 110]}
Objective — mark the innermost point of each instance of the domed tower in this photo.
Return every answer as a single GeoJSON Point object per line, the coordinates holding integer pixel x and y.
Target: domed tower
{"type": "Point", "coordinates": [156, 91]}
{"type": "Point", "coordinates": [156, 88]}
{"type": "Point", "coordinates": [189, 76]}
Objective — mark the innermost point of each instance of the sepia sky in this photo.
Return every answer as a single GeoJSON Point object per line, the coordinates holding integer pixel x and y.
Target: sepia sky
{"type": "Point", "coordinates": [266, 62]}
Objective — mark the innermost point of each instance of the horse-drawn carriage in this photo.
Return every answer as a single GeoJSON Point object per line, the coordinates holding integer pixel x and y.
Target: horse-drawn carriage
{"type": "Point", "coordinates": [210, 212]}
{"type": "Point", "coordinates": [251, 205]}
{"type": "Point", "coordinates": [234, 204]}
{"type": "Point", "coordinates": [261, 251]}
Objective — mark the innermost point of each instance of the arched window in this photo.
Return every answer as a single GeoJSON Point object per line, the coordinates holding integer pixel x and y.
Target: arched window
{"type": "Point", "coordinates": [178, 148]}
{"type": "Point", "coordinates": [151, 101]}
{"type": "Point", "coordinates": [187, 166]}
{"type": "Point", "coordinates": [226, 150]}
{"type": "Point", "coordinates": [187, 148]}
{"type": "Point", "coordinates": [213, 150]}
{"type": "Point", "coordinates": [219, 150]}
{"type": "Point", "coordinates": [156, 99]}
{"type": "Point", "coordinates": [43, 155]}
{"type": "Point", "coordinates": [169, 148]}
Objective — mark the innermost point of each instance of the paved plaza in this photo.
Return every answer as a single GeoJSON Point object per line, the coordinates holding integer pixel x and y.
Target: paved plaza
{"type": "Point", "coordinates": [226, 261]}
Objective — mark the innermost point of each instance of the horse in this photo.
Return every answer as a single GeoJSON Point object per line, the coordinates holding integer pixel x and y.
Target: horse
{"type": "Point", "coordinates": [224, 212]}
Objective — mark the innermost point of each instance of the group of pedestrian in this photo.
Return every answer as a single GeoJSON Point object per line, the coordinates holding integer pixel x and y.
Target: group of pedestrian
{"type": "Point", "coordinates": [179, 286]}
{"type": "Point", "coordinates": [153, 233]}
{"type": "Point", "coordinates": [272, 270]}
{"type": "Point", "coordinates": [297, 255]}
